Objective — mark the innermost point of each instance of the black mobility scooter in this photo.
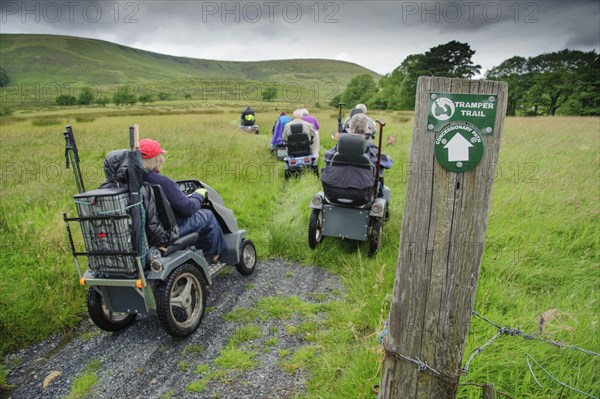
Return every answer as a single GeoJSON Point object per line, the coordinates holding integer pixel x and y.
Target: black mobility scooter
{"type": "Point", "coordinates": [299, 156]}
{"type": "Point", "coordinates": [354, 203]}
{"type": "Point", "coordinates": [133, 267]}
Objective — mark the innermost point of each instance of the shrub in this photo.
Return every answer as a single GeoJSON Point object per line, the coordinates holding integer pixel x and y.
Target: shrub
{"type": "Point", "coordinates": [64, 99]}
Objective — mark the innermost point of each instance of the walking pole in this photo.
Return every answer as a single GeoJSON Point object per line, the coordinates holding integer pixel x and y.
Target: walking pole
{"type": "Point", "coordinates": [340, 127]}
{"type": "Point", "coordinates": [381, 125]}
{"type": "Point", "coordinates": [72, 154]}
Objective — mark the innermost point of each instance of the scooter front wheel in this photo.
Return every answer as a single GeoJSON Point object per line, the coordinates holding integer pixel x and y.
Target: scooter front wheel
{"type": "Point", "coordinates": [247, 258]}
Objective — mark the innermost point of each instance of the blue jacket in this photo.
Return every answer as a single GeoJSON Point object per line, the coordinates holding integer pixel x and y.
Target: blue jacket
{"type": "Point", "coordinates": [182, 205]}
{"type": "Point", "coordinates": [278, 130]}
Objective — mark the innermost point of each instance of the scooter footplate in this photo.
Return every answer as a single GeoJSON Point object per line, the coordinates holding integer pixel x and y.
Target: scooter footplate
{"type": "Point", "coordinates": [215, 269]}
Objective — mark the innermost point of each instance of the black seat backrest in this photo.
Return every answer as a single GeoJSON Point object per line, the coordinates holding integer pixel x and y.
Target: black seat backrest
{"type": "Point", "coordinates": [351, 151]}
{"type": "Point", "coordinates": [296, 128]}
{"type": "Point", "coordinates": [165, 212]}
{"type": "Point", "coordinates": [298, 143]}
{"type": "Point", "coordinates": [161, 225]}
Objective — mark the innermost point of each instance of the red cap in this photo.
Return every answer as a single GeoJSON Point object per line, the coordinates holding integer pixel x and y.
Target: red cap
{"type": "Point", "coordinates": [150, 148]}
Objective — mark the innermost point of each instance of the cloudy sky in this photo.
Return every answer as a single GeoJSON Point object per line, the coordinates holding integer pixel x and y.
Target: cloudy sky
{"type": "Point", "coordinates": [374, 34]}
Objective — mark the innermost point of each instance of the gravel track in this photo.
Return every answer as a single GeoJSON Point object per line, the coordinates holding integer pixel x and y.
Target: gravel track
{"type": "Point", "coordinates": [143, 361]}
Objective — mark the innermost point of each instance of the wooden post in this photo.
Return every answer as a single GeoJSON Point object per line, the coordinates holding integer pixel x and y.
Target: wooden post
{"type": "Point", "coordinates": [441, 243]}
{"type": "Point", "coordinates": [489, 391]}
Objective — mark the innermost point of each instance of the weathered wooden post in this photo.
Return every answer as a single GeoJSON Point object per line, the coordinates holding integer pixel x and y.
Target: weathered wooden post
{"type": "Point", "coordinates": [453, 158]}
{"type": "Point", "coordinates": [489, 391]}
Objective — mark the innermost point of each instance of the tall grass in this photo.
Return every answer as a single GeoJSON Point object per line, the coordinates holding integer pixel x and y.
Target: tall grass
{"type": "Point", "coordinates": [541, 254]}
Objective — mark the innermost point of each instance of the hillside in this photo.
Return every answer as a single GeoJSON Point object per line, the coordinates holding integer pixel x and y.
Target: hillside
{"type": "Point", "coordinates": [47, 58]}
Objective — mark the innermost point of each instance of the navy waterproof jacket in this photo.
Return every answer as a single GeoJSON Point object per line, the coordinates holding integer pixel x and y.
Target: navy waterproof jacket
{"type": "Point", "coordinates": [182, 205]}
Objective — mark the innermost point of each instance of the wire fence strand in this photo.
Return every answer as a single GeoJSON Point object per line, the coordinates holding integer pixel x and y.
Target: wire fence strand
{"type": "Point", "coordinates": [424, 367]}
{"type": "Point", "coordinates": [562, 384]}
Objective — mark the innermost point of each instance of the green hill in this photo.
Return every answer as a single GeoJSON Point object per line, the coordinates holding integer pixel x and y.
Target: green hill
{"type": "Point", "coordinates": [46, 58]}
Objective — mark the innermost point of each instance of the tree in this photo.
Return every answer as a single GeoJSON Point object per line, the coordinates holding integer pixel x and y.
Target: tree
{"type": "Point", "coordinates": [398, 89]}
{"type": "Point", "coordinates": [359, 90]}
{"type": "Point", "coordinates": [188, 96]}
{"type": "Point", "coordinates": [125, 96]}
{"type": "Point", "coordinates": [412, 67]}
{"type": "Point", "coordinates": [269, 93]}
{"type": "Point", "coordinates": [64, 99]}
{"type": "Point", "coordinates": [103, 101]}
{"type": "Point", "coordinates": [162, 96]}
{"type": "Point", "coordinates": [390, 95]}
{"type": "Point", "coordinates": [4, 79]}
{"type": "Point", "coordinates": [146, 98]}
{"type": "Point", "coordinates": [564, 82]}
{"type": "Point", "coordinates": [452, 59]}
{"type": "Point", "coordinates": [86, 96]}
{"type": "Point", "coordinates": [556, 77]}
{"type": "Point", "coordinates": [335, 100]}
{"type": "Point", "coordinates": [515, 72]}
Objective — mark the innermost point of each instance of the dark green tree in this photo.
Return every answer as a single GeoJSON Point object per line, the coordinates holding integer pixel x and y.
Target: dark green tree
{"type": "Point", "coordinates": [556, 77]}
{"type": "Point", "coordinates": [65, 99]}
{"type": "Point", "coordinates": [359, 90]}
{"type": "Point", "coordinates": [187, 96]}
{"type": "Point", "coordinates": [335, 100]}
{"type": "Point", "coordinates": [452, 59]}
{"type": "Point", "coordinates": [146, 98]}
{"type": "Point", "coordinates": [162, 96]}
{"type": "Point", "coordinates": [516, 73]}
{"type": "Point", "coordinates": [565, 82]}
{"type": "Point", "coordinates": [269, 93]}
{"type": "Point", "coordinates": [390, 93]}
{"type": "Point", "coordinates": [4, 79]}
{"type": "Point", "coordinates": [86, 96]}
{"type": "Point", "coordinates": [125, 96]}
{"type": "Point", "coordinates": [103, 101]}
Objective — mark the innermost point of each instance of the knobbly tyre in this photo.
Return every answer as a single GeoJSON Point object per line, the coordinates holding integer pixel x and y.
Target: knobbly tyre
{"type": "Point", "coordinates": [354, 203]}
{"type": "Point", "coordinates": [126, 276]}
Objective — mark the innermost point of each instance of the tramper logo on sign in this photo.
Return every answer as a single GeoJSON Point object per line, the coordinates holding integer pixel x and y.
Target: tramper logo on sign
{"type": "Point", "coordinates": [477, 109]}
{"type": "Point", "coordinates": [458, 147]}
{"type": "Point", "coordinates": [443, 109]}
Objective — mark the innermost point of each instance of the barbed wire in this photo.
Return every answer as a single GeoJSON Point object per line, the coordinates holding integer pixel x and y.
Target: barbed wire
{"type": "Point", "coordinates": [423, 366]}
{"type": "Point", "coordinates": [562, 384]}
{"type": "Point", "coordinates": [517, 332]}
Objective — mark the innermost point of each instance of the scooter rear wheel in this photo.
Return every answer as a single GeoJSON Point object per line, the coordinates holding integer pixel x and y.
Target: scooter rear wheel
{"type": "Point", "coordinates": [315, 228]}
{"type": "Point", "coordinates": [375, 237]}
{"type": "Point", "coordinates": [103, 317]}
{"type": "Point", "coordinates": [181, 300]}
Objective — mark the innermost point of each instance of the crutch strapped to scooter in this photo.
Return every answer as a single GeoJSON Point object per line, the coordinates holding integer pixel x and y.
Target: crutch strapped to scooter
{"type": "Point", "coordinates": [72, 156]}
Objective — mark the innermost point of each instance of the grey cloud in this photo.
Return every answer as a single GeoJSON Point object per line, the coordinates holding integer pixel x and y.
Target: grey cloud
{"type": "Point", "coordinates": [375, 34]}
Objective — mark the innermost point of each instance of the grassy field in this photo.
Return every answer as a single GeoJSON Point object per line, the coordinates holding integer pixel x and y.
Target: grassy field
{"type": "Point", "coordinates": [541, 255]}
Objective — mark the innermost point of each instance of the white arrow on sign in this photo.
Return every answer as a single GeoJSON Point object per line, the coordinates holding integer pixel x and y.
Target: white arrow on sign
{"type": "Point", "coordinates": [458, 148]}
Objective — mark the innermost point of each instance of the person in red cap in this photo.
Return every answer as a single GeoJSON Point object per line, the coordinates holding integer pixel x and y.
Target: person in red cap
{"type": "Point", "coordinates": [188, 210]}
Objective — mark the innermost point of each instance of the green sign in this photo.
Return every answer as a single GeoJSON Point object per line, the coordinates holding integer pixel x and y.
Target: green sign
{"type": "Point", "coordinates": [477, 109]}
{"type": "Point", "coordinates": [458, 147]}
